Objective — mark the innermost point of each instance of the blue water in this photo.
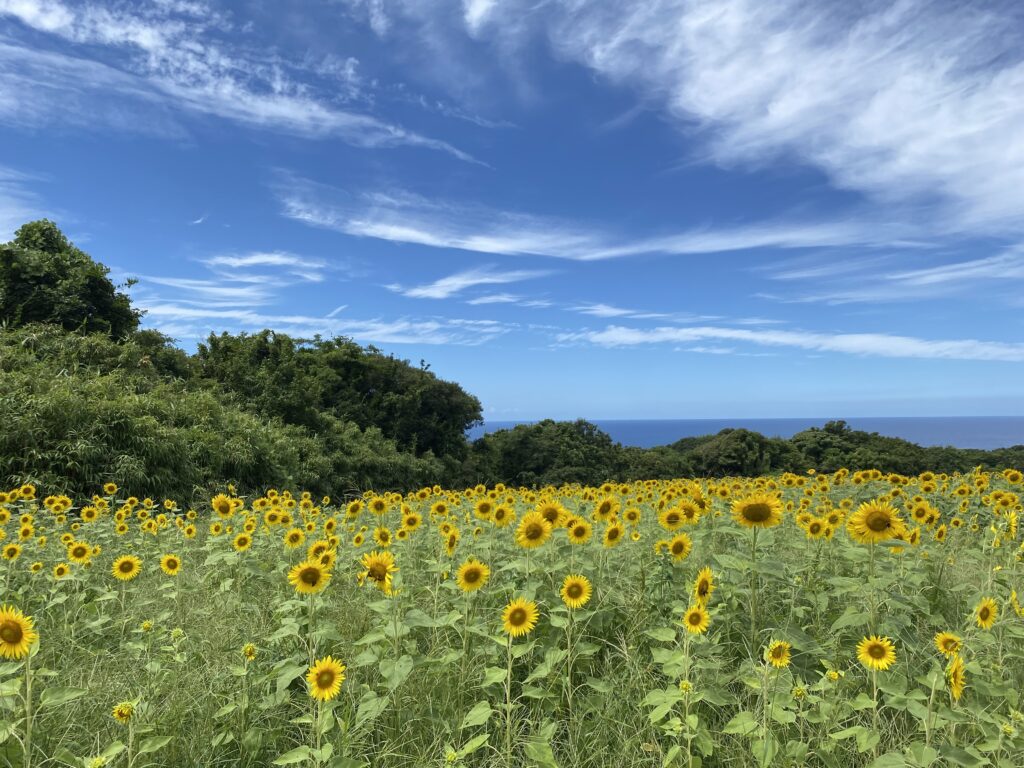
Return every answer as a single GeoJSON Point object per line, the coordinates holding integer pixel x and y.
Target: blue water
{"type": "Point", "coordinates": [959, 431]}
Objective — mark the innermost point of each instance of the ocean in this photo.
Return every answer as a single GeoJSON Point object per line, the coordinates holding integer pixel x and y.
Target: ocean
{"type": "Point", "coordinates": [960, 431]}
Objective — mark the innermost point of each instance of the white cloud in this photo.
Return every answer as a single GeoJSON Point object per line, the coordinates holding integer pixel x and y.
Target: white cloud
{"type": "Point", "coordinates": [18, 203]}
{"type": "Point", "coordinates": [400, 217]}
{"type": "Point", "coordinates": [170, 53]}
{"type": "Point", "coordinates": [447, 287]}
{"type": "Point", "coordinates": [913, 103]}
{"type": "Point", "coordinates": [866, 344]}
{"type": "Point", "coordinates": [310, 270]}
{"type": "Point", "coordinates": [192, 322]}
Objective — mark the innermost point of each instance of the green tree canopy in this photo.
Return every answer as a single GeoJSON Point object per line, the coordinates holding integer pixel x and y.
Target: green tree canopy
{"type": "Point", "coordinates": [44, 278]}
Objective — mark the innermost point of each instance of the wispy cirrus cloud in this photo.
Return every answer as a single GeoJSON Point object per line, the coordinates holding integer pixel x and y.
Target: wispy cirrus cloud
{"type": "Point", "coordinates": [402, 217]}
{"type": "Point", "coordinates": [449, 286]}
{"type": "Point", "coordinates": [172, 56]}
{"type": "Point", "coordinates": [863, 344]}
{"type": "Point", "coordinates": [914, 104]}
{"type": "Point", "coordinates": [185, 321]}
{"type": "Point", "coordinates": [18, 201]}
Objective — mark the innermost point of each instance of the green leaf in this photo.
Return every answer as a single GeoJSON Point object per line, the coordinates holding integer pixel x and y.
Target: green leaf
{"type": "Point", "coordinates": [742, 723]}
{"type": "Point", "coordinates": [369, 709]}
{"type": "Point", "coordinates": [396, 672]}
{"type": "Point", "coordinates": [478, 715]}
{"type": "Point", "coordinates": [288, 673]}
{"type": "Point", "coordinates": [494, 675]}
{"type": "Point", "coordinates": [153, 743]}
{"type": "Point", "coordinates": [662, 634]}
{"type": "Point", "coordinates": [473, 745]}
{"type": "Point", "coordinates": [297, 755]}
{"type": "Point", "coordinates": [53, 697]}
{"type": "Point", "coordinates": [539, 752]}
{"type": "Point", "coordinates": [888, 760]}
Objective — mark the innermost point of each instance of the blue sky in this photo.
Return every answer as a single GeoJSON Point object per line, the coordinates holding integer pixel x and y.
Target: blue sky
{"type": "Point", "coordinates": [653, 209]}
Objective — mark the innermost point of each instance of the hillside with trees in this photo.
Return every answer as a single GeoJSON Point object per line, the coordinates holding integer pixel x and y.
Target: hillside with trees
{"type": "Point", "coordinates": [89, 396]}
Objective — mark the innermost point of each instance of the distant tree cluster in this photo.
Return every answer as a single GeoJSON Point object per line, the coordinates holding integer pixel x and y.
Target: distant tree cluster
{"type": "Point", "coordinates": [88, 397]}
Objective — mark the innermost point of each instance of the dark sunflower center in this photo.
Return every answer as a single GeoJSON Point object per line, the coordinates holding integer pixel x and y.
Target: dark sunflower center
{"type": "Point", "coordinates": [574, 591]}
{"type": "Point", "coordinates": [378, 572]}
{"type": "Point", "coordinates": [325, 679]}
{"type": "Point", "coordinates": [471, 576]}
{"type": "Point", "coordinates": [172, 564]}
{"type": "Point", "coordinates": [694, 618]}
{"type": "Point", "coordinates": [672, 518]}
{"type": "Point", "coordinates": [613, 533]}
{"type": "Point", "coordinates": [310, 576]}
{"type": "Point", "coordinates": [678, 547]}
{"type": "Point", "coordinates": [757, 513]}
{"type": "Point", "coordinates": [703, 588]}
{"type": "Point", "coordinates": [815, 527]}
{"type": "Point", "coordinates": [534, 531]}
{"type": "Point", "coordinates": [878, 521]}
{"type": "Point", "coordinates": [223, 507]}
{"type": "Point", "coordinates": [876, 651]}
{"type": "Point", "coordinates": [127, 566]}
{"type": "Point", "coordinates": [517, 617]}
{"type": "Point", "coordinates": [11, 632]}
{"type": "Point", "coordinates": [579, 531]}
{"type": "Point", "coordinates": [78, 551]}
{"type": "Point", "coordinates": [984, 613]}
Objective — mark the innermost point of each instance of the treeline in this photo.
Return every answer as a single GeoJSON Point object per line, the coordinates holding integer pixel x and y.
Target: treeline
{"type": "Point", "coordinates": [552, 452]}
{"type": "Point", "coordinates": [86, 397]}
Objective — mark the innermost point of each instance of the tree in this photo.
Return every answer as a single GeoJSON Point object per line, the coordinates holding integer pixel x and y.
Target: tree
{"type": "Point", "coordinates": [46, 279]}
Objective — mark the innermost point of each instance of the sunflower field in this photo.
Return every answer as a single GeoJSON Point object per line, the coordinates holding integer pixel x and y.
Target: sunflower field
{"type": "Point", "coordinates": [849, 619]}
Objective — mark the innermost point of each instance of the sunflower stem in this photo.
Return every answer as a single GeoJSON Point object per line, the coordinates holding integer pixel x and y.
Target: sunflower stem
{"type": "Point", "coordinates": [508, 703]}
{"type": "Point", "coordinates": [753, 592]}
{"type": "Point", "coordinates": [28, 711]}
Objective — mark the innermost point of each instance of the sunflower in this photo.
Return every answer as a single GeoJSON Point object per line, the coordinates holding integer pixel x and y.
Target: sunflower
{"type": "Point", "coordinates": [777, 654]}
{"type": "Point", "coordinates": [294, 538]}
{"type": "Point", "coordinates": [472, 575]}
{"type": "Point", "coordinates": [986, 612]}
{"type": "Point", "coordinates": [126, 567]}
{"type": "Point", "coordinates": [60, 570]}
{"type": "Point", "coordinates": [553, 512]}
{"type": "Point", "coordinates": [325, 678]}
{"type": "Point", "coordinates": [79, 552]}
{"type": "Point", "coordinates": [412, 521]}
{"type": "Point", "coordinates": [123, 712]}
{"type": "Point", "coordinates": [579, 531]}
{"type": "Point", "coordinates": [875, 521]}
{"type": "Point", "coordinates": [696, 619]}
{"type": "Point", "coordinates": [222, 505]}
{"type": "Point", "coordinates": [503, 516]}
{"type": "Point", "coordinates": [16, 633]}
{"type": "Point", "coordinates": [758, 511]}
{"type": "Point", "coordinates": [876, 653]}
{"type": "Point", "coordinates": [613, 534]}
{"type": "Point", "coordinates": [110, 488]}
{"type": "Point", "coordinates": [956, 676]}
{"type": "Point", "coordinates": [242, 542]}
{"type": "Point", "coordinates": [533, 531]}
{"type": "Point", "coordinates": [12, 551]}
{"type": "Point", "coordinates": [670, 519]}
{"type": "Point", "coordinates": [249, 652]}
{"type": "Point", "coordinates": [947, 643]}
{"type": "Point", "coordinates": [704, 586]}
{"type": "Point", "coordinates": [170, 564]}
{"type": "Point", "coordinates": [382, 535]}
{"type": "Point", "coordinates": [309, 577]}
{"type": "Point", "coordinates": [379, 568]}
{"type": "Point", "coordinates": [519, 617]}
{"type": "Point", "coordinates": [679, 547]}
{"type": "Point", "coordinates": [576, 591]}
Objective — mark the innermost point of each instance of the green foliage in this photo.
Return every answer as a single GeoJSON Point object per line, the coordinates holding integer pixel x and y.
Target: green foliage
{"type": "Point", "coordinates": [81, 410]}
{"type": "Point", "coordinates": [46, 279]}
{"type": "Point", "coordinates": [306, 383]}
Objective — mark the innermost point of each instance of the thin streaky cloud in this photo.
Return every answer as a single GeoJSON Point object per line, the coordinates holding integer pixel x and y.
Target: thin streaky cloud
{"type": "Point", "coordinates": [451, 285]}
{"type": "Point", "coordinates": [862, 344]}
{"type": "Point", "coordinates": [179, 60]}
